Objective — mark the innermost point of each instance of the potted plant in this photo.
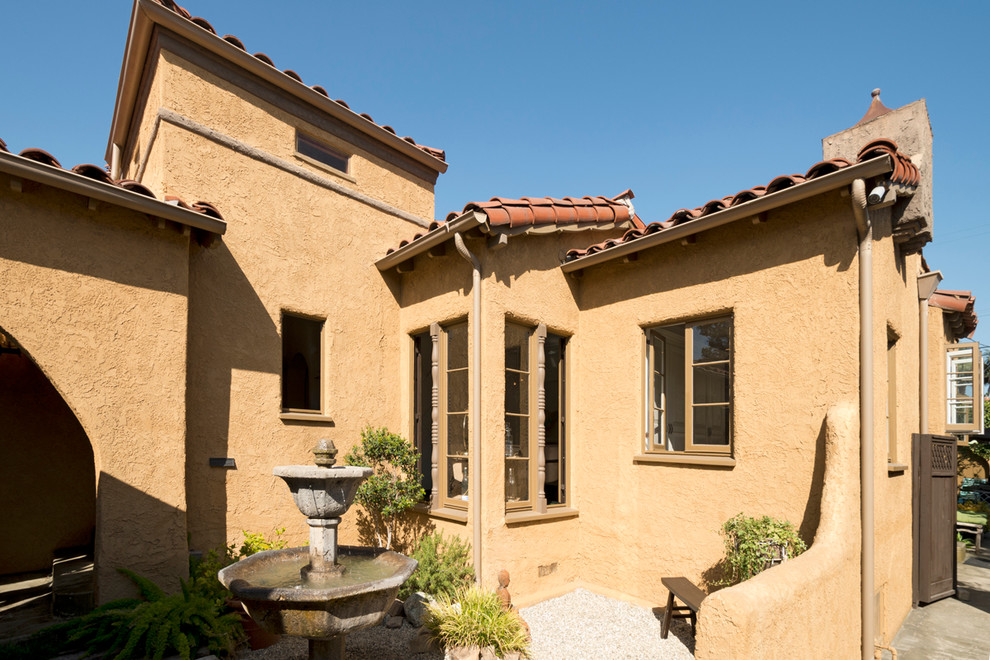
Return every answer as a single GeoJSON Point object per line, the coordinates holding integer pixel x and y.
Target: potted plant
{"type": "Point", "coordinates": [474, 621]}
{"type": "Point", "coordinates": [753, 545]}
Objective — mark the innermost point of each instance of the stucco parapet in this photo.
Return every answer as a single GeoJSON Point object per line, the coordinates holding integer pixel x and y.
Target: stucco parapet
{"type": "Point", "coordinates": [518, 517]}
{"type": "Point", "coordinates": [686, 459]}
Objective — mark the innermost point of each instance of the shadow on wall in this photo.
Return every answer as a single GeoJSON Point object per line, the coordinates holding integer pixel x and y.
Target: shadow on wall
{"type": "Point", "coordinates": [139, 532]}
{"type": "Point", "coordinates": [47, 475]}
{"type": "Point", "coordinates": [229, 328]}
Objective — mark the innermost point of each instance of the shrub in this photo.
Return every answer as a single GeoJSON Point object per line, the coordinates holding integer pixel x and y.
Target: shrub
{"type": "Point", "coordinates": [476, 618]}
{"type": "Point", "coordinates": [256, 542]}
{"type": "Point", "coordinates": [444, 566]}
{"type": "Point", "coordinates": [752, 544]}
{"type": "Point", "coordinates": [158, 624]}
{"type": "Point", "coordinates": [394, 487]}
{"type": "Point", "coordinates": [973, 506]}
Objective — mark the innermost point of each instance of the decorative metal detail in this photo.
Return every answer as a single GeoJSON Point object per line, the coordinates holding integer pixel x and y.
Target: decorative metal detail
{"type": "Point", "coordinates": [941, 456]}
{"type": "Point", "coordinates": [541, 417]}
{"type": "Point", "coordinates": [435, 414]}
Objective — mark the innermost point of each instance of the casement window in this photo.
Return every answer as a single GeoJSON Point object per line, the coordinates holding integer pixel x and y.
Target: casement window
{"type": "Point", "coordinates": [964, 388]}
{"type": "Point", "coordinates": [688, 401]}
{"type": "Point", "coordinates": [441, 382]}
{"type": "Point", "coordinates": [322, 153]}
{"type": "Point", "coordinates": [535, 424]}
{"type": "Point", "coordinates": [302, 364]}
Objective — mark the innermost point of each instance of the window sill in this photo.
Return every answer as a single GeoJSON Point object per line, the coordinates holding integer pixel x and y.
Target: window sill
{"type": "Point", "coordinates": [453, 515]}
{"type": "Point", "coordinates": [697, 460]}
{"type": "Point", "coordinates": [317, 418]}
{"type": "Point", "coordinates": [896, 468]}
{"type": "Point", "coordinates": [558, 513]}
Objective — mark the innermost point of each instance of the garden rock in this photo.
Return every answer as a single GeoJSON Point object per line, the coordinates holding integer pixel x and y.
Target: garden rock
{"type": "Point", "coordinates": [423, 642]}
{"type": "Point", "coordinates": [415, 607]}
{"type": "Point", "coordinates": [394, 621]}
{"type": "Point", "coordinates": [462, 653]}
{"type": "Point", "coordinates": [396, 608]}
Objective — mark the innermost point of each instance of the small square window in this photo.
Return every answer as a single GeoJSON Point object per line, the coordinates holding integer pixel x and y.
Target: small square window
{"type": "Point", "coordinates": [321, 152]}
{"type": "Point", "coordinates": [302, 343]}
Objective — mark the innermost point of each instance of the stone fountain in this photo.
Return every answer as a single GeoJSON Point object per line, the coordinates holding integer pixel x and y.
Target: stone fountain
{"type": "Point", "coordinates": [325, 591]}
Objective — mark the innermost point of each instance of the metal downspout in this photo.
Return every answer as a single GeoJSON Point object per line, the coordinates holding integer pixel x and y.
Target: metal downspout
{"type": "Point", "coordinates": [866, 448]}
{"type": "Point", "coordinates": [475, 474]}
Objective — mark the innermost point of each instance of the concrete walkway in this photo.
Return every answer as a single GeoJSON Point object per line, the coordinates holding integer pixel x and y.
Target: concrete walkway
{"type": "Point", "coordinates": [953, 628]}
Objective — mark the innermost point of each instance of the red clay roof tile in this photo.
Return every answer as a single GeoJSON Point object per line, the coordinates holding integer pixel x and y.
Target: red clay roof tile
{"type": "Point", "coordinates": [99, 174]}
{"type": "Point", "coordinates": [439, 154]}
{"type": "Point", "coordinates": [905, 173]}
{"type": "Point", "coordinates": [959, 307]}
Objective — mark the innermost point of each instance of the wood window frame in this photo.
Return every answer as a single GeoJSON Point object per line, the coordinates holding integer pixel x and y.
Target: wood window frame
{"type": "Point", "coordinates": [536, 372]}
{"type": "Point", "coordinates": [952, 399]}
{"type": "Point", "coordinates": [651, 337]}
{"type": "Point", "coordinates": [441, 458]}
{"type": "Point", "coordinates": [294, 412]}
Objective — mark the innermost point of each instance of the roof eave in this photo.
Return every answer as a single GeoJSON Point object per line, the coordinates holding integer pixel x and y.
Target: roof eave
{"type": "Point", "coordinates": [839, 178]}
{"type": "Point", "coordinates": [440, 235]}
{"type": "Point", "coordinates": [147, 13]}
{"type": "Point", "coordinates": [70, 181]}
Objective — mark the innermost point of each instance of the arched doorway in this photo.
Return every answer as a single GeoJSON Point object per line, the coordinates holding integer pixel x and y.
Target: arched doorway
{"type": "Point", "coordinates": [47, 494]}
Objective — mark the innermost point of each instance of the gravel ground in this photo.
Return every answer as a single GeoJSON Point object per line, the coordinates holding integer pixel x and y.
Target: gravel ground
{"type": "Point", "coordinates": [575, 626]}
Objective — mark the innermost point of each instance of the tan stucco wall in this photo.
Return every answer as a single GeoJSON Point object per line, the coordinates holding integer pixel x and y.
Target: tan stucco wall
{"type": "Point", "coordinates": [811, 602]}
{"type": "Point", "coordinates": [40, 434]}
{"type": "Point", "coordinates": [97, 299]}
{"type": "Point", "coordinates": [290, 246]}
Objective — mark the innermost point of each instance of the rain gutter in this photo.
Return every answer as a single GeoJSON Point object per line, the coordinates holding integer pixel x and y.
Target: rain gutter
{"type": "Point", "coordinates": [428, 241]}
{"type": "Point", "coordinates": [835, 180]}
{"type": "Point", "coordinates": [25, 168]}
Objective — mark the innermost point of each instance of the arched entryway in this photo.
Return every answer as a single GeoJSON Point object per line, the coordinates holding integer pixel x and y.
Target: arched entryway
{"type": "Point", "coordinates": [47, 495]}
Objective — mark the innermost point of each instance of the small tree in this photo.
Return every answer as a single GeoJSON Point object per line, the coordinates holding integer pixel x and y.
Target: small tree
{"type": "Point", "coordinates": [394, 486]}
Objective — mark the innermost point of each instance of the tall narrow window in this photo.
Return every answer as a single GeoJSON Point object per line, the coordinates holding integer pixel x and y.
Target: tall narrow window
{"type": "Point", "coordinates": [535, 424]}
{"type": "Point", "coordinates": [302, 349]}
{"type": "Point", "coordinates": [689, 387]}
{"type": "Point", "coordinates": [964, 387]}
{"type": "Point", "coordinates": [423, 409]}
{"type": "Point", "coordinates": [454, 432]}
{"type": "Point", "coordinates": [891, 398]}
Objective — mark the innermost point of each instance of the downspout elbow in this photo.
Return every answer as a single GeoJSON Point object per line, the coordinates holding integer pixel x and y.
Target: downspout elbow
{"type": "Point", "coordinates": [858, 192]}
{"type": "Point", "coordinates": [464, 252]}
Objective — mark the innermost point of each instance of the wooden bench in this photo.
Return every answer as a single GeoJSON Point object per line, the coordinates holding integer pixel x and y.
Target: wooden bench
{"type": "Point", "coordinates": [689, 594]}
{"type": "Point", "coordinates": [975, 529]}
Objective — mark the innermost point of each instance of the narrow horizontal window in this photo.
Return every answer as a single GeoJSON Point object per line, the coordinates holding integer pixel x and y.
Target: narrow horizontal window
{"type": "Point", "coordinates": [321, 152]}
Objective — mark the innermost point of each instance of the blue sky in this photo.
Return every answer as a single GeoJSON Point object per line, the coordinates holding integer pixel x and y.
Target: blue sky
{"type": "Point", "coordinates": [682, 102]}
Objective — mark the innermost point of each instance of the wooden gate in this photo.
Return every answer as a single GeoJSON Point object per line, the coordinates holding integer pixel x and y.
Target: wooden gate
{"type": "Point", "coordinates": [934, 505]}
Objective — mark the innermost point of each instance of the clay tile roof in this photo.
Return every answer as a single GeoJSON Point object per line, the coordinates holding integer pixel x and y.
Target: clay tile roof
{"type": "Point", "coordinates": [876, 109]}
{"type": "Point", "coordinates": [97, 173]}
{"type": "Point", "coordinates": [905, 173]}
{"type": "Point", "coordinates": [41, 156]}
{"type": "Point", "coordinates": [546, 212]}
{"type": "Point", "coordinates": [439, 154]}
{"type": "Point", "coordinates": [958, 306]}
{"type": "Point", "coordinates": [536, 211]}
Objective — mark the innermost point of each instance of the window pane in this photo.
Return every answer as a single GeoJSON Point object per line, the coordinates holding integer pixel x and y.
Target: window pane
{"type": "Point", "coordinates": [711, 425]}
{"type": "Point", "coordinates": [962, 386]}
{"type": "Point", "coordinates": [712, 341]}
{"type": "Point", "coordinates": [516, 436]}
{"type": "Point", "coordinates": [457, 391]}
{"type": "Point", "coordinates": [457, 346]}
{"type": "Point", "coordinates": [321, 152]}
{"type": "Point", "coordinates": [457, 434]}
{"type": "Point", "coordinates": [516, 347]}
{"type": "Point", "coordinates": [961, 363]}
{"type": "Point", "coordinates": [516, 392]}
{"type": "Point", "coordinates": [960, 412]}
{"type": "Point", "coordinates": [457, 478]}
{"type": "Point", "coordinates": [711, 383]}
{"type": "Point", "coordinates": [516, 480]}
{"type": "Point", "coordinates": [301, 363]}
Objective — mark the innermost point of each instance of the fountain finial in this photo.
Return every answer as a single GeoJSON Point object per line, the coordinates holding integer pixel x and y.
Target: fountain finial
{"type": "Point", "coordinates": [325, 453]}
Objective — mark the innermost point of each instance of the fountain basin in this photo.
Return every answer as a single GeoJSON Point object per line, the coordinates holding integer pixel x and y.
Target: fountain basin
{"type": "Point", "coordinates": [322, 492]}
{"type": "Point", "coordinates": [323, 611]}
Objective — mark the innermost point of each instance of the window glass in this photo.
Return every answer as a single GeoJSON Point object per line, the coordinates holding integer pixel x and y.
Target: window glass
{"type": "Point", "coordinates": [301, 363]}
{"type": "Point", "coordinates": [321, 152]}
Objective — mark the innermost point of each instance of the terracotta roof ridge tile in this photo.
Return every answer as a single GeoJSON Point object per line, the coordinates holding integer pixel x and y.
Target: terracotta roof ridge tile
{"type": "Point", "coordinates": [438, 154]}
{"type": "Point", "coordinates": [100, 175]}
{"type": "Point", "coordinates": [904, 173]}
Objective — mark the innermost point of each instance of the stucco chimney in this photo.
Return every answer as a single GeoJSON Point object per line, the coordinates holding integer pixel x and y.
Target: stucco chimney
{"type": "Point", "coordinates": [911, 129]}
